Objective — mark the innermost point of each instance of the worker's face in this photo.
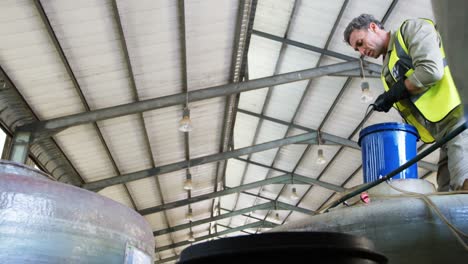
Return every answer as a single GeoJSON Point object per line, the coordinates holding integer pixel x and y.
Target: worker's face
{"type": "Point", "coordinates": [368, 42]}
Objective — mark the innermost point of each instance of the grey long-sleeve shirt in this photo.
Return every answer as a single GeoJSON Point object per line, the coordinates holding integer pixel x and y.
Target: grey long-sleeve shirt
{"type": "Point", "coordinates": [422, 41]}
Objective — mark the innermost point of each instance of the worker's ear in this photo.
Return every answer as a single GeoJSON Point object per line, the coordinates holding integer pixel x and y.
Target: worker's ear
{"type": "Point", "coordinates": [373, 27]}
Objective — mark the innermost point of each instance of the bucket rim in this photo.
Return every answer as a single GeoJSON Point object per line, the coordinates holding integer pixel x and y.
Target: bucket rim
{"type": "Point", "coordinates": [387, 126]}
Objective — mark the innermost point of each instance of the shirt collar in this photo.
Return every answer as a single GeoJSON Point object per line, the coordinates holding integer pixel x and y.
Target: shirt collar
{"type": "Point", "coordinates": [390, 45]}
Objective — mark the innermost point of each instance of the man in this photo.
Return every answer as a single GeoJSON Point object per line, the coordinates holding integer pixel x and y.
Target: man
{"type": "Point", "coordinates": [419, 85]}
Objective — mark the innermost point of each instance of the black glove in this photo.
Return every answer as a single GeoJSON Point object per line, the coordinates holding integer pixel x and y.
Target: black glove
{"type": "Point", "coordinates": [384, 102]}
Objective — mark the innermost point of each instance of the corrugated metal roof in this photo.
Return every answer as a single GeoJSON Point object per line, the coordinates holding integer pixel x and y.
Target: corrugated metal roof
{"type": "Point", "coordinates": [123, 52]}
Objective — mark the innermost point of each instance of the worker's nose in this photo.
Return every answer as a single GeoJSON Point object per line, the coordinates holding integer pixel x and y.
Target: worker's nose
{"type": "Point", "coordinates": [361, 51]}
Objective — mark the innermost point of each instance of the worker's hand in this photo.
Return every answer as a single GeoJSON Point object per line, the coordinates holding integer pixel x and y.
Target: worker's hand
{"type": "Point", "coordinates": [384, 102]}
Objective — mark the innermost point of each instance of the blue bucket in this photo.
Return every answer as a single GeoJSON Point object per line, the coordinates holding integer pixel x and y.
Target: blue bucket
{"type": "Point", "coordinates": [385, 147]}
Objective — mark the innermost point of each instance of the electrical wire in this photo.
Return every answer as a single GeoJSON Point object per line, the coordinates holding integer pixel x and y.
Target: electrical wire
{"type": "Point", "coordinates": [457, 232]}
{"type": "Point", "coordinates": [368, 112]}
{"type": "Point", "coordinates": [363, 77]}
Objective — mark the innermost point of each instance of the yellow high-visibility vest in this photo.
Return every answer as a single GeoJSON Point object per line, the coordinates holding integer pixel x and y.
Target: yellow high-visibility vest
{"type": "Point", "coordinates": [436, 103]}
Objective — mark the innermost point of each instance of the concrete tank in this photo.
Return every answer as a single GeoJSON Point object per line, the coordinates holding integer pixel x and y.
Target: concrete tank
{"type": "Point", "coordinates": [404, 229]}
{"type": "Point", "coordinates": [42, 221]}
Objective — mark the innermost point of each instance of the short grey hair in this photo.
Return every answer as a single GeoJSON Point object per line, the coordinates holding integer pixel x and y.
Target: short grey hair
{"type": "Point", "coordinates": [361, 22]}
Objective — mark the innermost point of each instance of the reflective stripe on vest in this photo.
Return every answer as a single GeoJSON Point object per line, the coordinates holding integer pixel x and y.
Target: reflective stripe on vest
{"type": "Point", "coordinates": [435, 103]}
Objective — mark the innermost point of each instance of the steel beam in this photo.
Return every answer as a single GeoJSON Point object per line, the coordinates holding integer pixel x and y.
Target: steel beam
{"type": "Point", "coordinates": [290, 207]}
{"type": "Point", "coordinates": [384, 19]}
{"type": "Point", "coordinates": [371, 67]}
{"type": "Point", "coordinates": [284, 179]}
{"type": "Point", "coordinates": [239, 70]}
{"type": "Point", "coordinates": [357, 74]}
{"type": "Point", "coordinates": [329, 139]}
{"type": "Point", "coordinates": [264, 206]}
{"type": "Point", "coordinates": [135, 97]}
{"type": "Point", "coordinates": [222, 233]}
{"type": "Point", "coordinates": [14, 110]}
{"type": "Point", "coordinates": [389, 11]}
{"type": "Point", "coordinates": [283, 206]}
{"type": "Point", "coordinates": [169, 259]}
{"type": "Point", "coordinates": [48, 127]}
{"type": "Point", "coordinates": [267, 99]}
{"type": "Point", "coordinates": [195, 162]}
{"type": "Point", "coordinates": [280, 179]}
{"type": "Point", "coordinates": [298, 179]}
{"type": "Point", "coordinates": [242, 231]}
{"type": "Point", "coordinates": [77, 87]}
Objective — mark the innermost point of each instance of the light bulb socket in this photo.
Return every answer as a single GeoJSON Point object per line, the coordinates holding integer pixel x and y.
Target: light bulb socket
{"type": "Point", "coordinates": [366, 94]}
{"type": "Point", "coordinates": [277, 217]}
{"type": "Point", "coordinates": [188, 185]}
{"type": "Point", "coordinates": [320, 157]}
{"type": "Point", "coordinates": [191, 237]}
{"type": "Point", "coordinates": [189, 215]}
{"type": "Point", "coordinates": [186, 112]}
{"type": "Point", "coordinates": [294, 195]}
{"type": "Point", "coordinates": [185, 124]}
{"type": "Point", "coordinates": [365, 85]}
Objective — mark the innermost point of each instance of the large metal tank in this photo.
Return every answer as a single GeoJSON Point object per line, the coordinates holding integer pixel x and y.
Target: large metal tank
{"type": "Point", "coordinates": [403, 228]}
{"type": "Point", "coordinates": [42, 221]}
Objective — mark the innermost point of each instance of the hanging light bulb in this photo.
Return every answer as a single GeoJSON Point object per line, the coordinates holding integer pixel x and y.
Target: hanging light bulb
{"type": "Point", "coordinates": [277, 219]}
{"type": "Point", "coordinates": [320, 157]}
{"type": "Point", "coordinates": [189, 215]}
{"type": "Point", "coordinates": [294, 195]}
{"type": "Point", "coordinates": [366, 94]}
{"type": "Point", "coordinates": [188, 182]}
{"type": "Point", "coordinates": [191, 238]}
{"type": "Point", "coordinates": [185, 124]}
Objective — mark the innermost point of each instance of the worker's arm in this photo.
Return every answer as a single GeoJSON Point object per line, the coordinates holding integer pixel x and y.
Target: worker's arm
{"type": "Point", "coordinates": [422, 41]}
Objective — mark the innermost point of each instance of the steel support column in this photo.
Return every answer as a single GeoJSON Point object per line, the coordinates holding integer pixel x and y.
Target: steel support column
{"type": "Point", "coordinates": [20, 148]}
